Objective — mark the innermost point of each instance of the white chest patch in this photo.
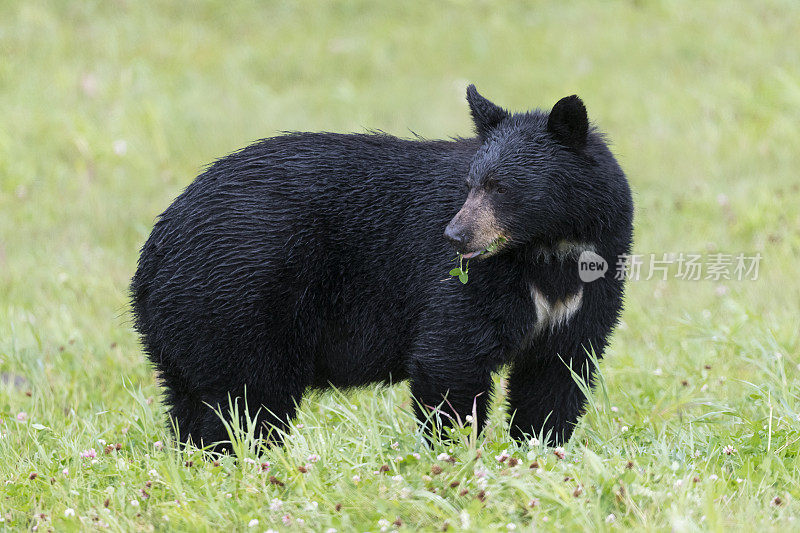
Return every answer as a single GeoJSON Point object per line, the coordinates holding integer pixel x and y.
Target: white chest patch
{"type": "Point", "coordinates": [552, 315]}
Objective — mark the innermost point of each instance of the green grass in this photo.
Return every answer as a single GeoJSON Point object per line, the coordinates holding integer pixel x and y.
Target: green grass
{"type": "Point", "coordinates": [110, 108]}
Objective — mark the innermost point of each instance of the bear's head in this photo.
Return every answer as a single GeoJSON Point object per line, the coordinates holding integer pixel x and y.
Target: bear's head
{"type": "Point", "coordinates": [532, 181]}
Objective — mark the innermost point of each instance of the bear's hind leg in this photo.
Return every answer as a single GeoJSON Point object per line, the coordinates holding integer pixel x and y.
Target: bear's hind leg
{"type": "Point", "coordinates": [265, 407]}
{"type": "Point", "coordinates": [204, 423]}
{"type": "Point", "coordinates": [272, 391]}
{"type": "Point", "coordinates": [188, 415]}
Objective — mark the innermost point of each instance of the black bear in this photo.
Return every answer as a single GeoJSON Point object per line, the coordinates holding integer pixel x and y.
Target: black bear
{"type": "Point", "coordinates": [316, 259]}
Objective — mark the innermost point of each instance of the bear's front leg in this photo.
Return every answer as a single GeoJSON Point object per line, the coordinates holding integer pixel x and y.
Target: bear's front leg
{"type": "Point", "coordinates": [458, 387]}
{"type": "Point", "coordinates": [543, 396]}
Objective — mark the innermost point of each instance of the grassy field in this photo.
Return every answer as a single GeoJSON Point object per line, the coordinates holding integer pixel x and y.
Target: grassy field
{"type": "Point", "coordinates": [110, 108]}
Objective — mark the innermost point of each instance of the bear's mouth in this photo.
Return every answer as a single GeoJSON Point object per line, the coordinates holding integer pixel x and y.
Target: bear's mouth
{"type": "Point", "coordinates": [493, 246]}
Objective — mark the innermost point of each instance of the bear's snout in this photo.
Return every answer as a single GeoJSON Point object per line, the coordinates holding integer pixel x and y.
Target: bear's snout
{"type": "Point", "coordinates": [457, 235]}
{"type": "Point", "coordinates": [475, 226]}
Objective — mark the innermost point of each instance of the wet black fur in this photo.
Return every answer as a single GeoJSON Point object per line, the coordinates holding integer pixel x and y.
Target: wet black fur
{"type": "Point", "coordinates": [312, 259]}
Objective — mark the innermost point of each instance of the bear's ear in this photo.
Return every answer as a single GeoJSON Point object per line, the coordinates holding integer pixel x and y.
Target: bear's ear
{"type": "Point", "coordinates": [568, 122]}
{"type": "Point", "coordinates": [485, 114]}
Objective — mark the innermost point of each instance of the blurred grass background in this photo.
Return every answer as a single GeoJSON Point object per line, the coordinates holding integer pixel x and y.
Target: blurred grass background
{"type": "Point", "coordinates": [110, 108]}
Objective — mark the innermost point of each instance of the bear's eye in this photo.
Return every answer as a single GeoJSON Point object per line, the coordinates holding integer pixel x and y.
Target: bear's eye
{"type": "Point", "coordinates": [493, 186]}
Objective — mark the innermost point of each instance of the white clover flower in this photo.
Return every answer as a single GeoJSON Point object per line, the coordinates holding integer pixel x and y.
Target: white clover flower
{"type": "Point", "coordinates": [729, 450]}
{"type": "Point", "coordinates": [713, 477]}
{"type": "Point", "coordinates": [533, 442]}
{"type": "Point", "coordinates": [135, 502]}
{"type": "Point", "coordinates": [559, 452]}
{"type": "Point", "coordinates": [469, 419]}
{"type": "Point", "coordinates": [610, 519]}
{"type": "Point", "coordinates": [511, 526]}
{"type": "Point", "coordinates": [253, 522]}
{"type": "Point", "coordinates": [120, 147]}
{"type": "Point", "coordinates": [356, 478]}
{"type": "Point", "coordinates": [152, 473]}
{"type": "Point", "coordinates": [69, 512]}
{"type": "Point", "coordinates": [503, 456]}
{"type": "Point", "coordinates": [465, 519]}
{"type": "Point", "coordinates": [158, 445]}
{"type": "Point", "coordinates": [442, 457]}
{"type": "Point", "coordinates": [275, 504]}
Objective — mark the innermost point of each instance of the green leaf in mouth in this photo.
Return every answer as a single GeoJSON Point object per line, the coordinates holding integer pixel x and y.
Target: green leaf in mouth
{"type": "Point", "coordinates": [462, 270]}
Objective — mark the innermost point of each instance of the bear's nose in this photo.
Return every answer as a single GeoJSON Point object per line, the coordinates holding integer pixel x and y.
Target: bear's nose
{"type": "Point", "coordinates": [457, 237]}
